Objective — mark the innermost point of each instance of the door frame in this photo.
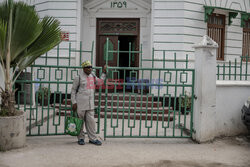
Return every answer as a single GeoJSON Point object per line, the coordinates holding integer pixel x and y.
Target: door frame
{"type": "Point", "coordinates": [115, 29]}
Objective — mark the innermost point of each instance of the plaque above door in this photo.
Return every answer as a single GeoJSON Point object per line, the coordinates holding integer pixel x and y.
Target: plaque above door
{"type": "Point", "coordinates": [118, 26]}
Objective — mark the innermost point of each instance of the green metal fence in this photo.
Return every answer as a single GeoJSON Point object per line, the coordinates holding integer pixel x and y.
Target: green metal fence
{"type": "Point", "coordinates": [160, 59]}
{"type": "Point", "coordinates": [155, 102]}
{"type": "Point", "coordinates": [43, 90]}
{"type": "Point", "coordinates": [152, 100]}
{"type": "Point", "coordinates": [237, 70]}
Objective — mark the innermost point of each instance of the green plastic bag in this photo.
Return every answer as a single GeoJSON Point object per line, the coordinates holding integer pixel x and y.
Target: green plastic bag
{"type": "Point", "coordinates": [73, 125]}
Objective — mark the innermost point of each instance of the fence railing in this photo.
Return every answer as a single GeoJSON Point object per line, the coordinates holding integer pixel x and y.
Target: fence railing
{"type": "Point", "coordinates": [63, 55]}
{"type": "Point", "coordinates": [43, 89]}
{"type": "Point", "coordinates": [151, 100]}
{"type": "Point", "coordinates": [161, 60]}
{"type": "Point", "coordinates": [52, 75]}
{"type": "Point", "coordinates": [237, 70]}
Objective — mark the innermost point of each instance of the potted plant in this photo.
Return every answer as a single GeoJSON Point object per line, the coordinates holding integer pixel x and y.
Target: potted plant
{"type": "Point", "coordinates": [43, 96]}
{"type": "Point", "coordinates": [23, 38]}
{"type": "Point", "coordinates": [185, 102]}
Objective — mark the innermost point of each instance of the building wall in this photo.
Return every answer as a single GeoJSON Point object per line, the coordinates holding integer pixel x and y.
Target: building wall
{"type": "Point", "coordinates": [65, 11]}
{"type": "Point", "coordinates": [68, 13]}
{"type": "Point", "coordinates": [168, 20]}
{"type": "Point", "coordinates": [78, 17]}
{"type": "Point", "coordinates": [175, 25]}
{"type": "Point", "coordinates": [102, 9]}
{"type": "Point", "coordinates": [178, 25]}
{"type": "Point", "coordinates": [230, 98]}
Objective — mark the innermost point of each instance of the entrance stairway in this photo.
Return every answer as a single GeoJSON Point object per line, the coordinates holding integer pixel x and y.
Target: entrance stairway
{"type": "Point", "coordinates": [133, 106]}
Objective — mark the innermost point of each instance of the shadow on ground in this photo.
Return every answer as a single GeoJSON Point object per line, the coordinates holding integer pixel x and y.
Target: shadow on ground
{"type": "Point", "coordinates": [168, 163]}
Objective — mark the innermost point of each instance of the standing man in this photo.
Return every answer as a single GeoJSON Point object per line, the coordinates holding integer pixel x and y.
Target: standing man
{"type": "Point", "coordinates": [82, 98]}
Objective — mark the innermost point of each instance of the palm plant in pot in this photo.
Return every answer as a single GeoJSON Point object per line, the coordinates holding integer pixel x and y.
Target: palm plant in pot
{"type": "Point", "coordinates": [23, 38]}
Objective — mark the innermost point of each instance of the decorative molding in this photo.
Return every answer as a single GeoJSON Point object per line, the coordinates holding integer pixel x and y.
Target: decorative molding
{"type": "Point", "coordinates": [241, 5]}
{"type": "Point", "coordinates": [208, 11]}
{"type": "Point", "coordinates": [93, 5]}
{"type": "Point", "coordinates": [143, 21]}
{"type": "Point", "coordinates": [119, 26]}
{"type": "Point", "coordinates": [244, 17]}
{"type": "Point", "coordinates": [92, 21]}
{"type": "Point", "coordinates": [142, 4]}
{"type": "Point", "coordinates": [94, 9]}
{"type": "Point", "coordinates": [231, 16]}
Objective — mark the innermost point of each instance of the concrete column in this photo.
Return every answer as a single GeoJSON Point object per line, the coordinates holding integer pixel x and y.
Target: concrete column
{"type": "Point", "coordinates": [205, 90]}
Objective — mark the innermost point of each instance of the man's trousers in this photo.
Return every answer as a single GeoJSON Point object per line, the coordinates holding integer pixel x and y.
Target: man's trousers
{"type": "Point", "coordinates": [89, 121]}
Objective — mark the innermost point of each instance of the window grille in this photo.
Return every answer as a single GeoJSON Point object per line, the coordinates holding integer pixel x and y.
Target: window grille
{"type": "Point", "coordinates": [216, 30]}
{"type": "Point", "coordinates": [246, 41]}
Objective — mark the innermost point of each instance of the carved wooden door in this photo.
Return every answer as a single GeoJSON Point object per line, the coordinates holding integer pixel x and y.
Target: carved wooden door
{"type": "Point", "coordinates": [112, 28]}
{"type": "Point", "coordinates": [110, 44]}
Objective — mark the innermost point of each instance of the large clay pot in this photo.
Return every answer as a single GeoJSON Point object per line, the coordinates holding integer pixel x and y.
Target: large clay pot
{"type": "Point", "coordinates": [12, 132]}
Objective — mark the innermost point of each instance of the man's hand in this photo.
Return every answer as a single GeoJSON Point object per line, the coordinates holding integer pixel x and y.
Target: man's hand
{"type": "Point", "coordinates": [74, 107]}
{"type": "Point", "coordinates": [104, 68]}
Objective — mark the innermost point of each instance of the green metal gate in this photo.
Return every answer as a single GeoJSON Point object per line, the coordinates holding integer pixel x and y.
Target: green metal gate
{"type": "Point", "coordinates": [43, 90]}
{"type": "Point", "coordinates": [155, 102]}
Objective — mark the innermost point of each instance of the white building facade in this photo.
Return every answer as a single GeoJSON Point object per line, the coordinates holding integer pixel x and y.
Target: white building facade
{"type": "Point", "coordinates": [159, 29]}
{"type": "Point", "coordinates": [174, 26]}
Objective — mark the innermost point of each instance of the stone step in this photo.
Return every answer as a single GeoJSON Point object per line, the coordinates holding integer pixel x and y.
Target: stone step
{"type": "Point", "coordinates": [131, 116]}
{"type": "Point", "coordinates": [132, 103]}
{"type": "Point", "coordinates": [63, 107]}
{"type": "Point", "coordinates": [127, 97]}
{"type": "Point", "coordinates": [137, 109]}
{"type": "Point", "coordinates": [126, 109]}
{"type": "Point", "coordinates": [137, 116]}
{"type": "Point", "coordinates": [126, 101]}
{"type": "Point", "coordinates": [68, 101]}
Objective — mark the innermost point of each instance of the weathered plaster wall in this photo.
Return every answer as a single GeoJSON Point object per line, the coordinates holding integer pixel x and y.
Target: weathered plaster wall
{"type": "Point", "coordinates": [230, 97]}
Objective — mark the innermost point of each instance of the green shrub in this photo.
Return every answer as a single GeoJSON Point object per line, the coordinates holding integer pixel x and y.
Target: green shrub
{"type": "Point", "coordinates": [186, 100]}
{"type": "Point", "coordinates": [44, 91]}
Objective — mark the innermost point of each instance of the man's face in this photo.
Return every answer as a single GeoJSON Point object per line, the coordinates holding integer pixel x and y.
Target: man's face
{"type": "Point", "coordinates": [87, 70]}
